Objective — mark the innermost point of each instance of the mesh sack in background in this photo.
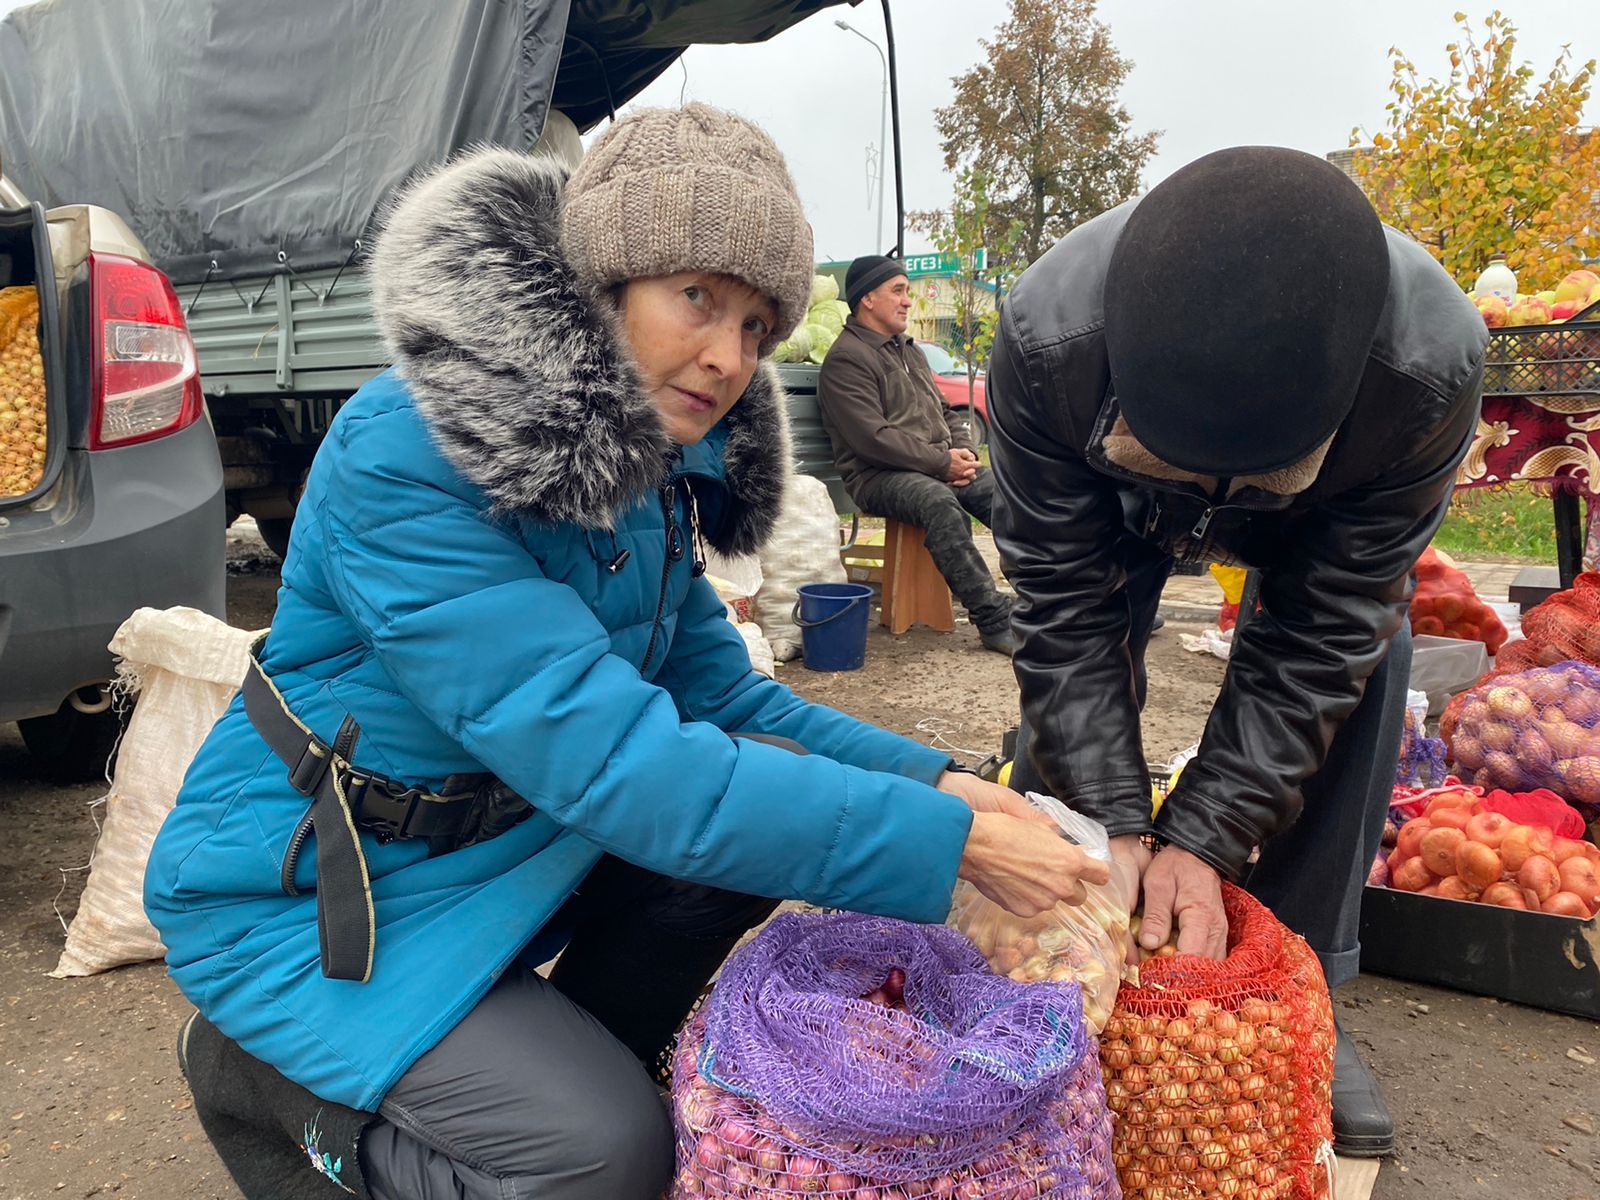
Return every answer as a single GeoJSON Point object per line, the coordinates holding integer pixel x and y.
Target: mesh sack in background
{"type": "Point", "coordinates": [1568, 623]}
{"type": "Point", "coordinates": [948, 1081]}
{"type": "Point", "coordinates": [1219, 1073]}
{"type": "Point", "coordinates": [1538, 728]}
{"type": "Point", "coordinates": [1445, 604]}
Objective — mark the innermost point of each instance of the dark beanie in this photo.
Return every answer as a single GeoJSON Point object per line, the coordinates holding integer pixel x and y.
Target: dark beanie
{"type": "Point", "coordinates": [868, 272]}
{"type": "Point", "coordinates": [1240, 306]}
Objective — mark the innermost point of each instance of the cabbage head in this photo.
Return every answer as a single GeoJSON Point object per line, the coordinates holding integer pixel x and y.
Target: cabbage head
{"type": "Point", "coordinates": [821, 341]}
{"type": "Point", "coordinates": [797, 349]}
{"type": "Point", "coordinates": [824, 287]}
{"type": "Point", "coordinates": [826, 316]}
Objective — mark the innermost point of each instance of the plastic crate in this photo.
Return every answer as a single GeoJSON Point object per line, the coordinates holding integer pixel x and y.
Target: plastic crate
{"type": "Point", "coordinates": [1544, 360]}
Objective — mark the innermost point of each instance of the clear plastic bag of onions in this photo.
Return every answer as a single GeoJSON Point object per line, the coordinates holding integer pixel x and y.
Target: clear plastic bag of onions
{"type": "Point", "coordinates": [1083, 943]}
{"type": "Point", "coordinates": [1219, 1073]}
{"type": "Point", "coordinates": [850, 1057]}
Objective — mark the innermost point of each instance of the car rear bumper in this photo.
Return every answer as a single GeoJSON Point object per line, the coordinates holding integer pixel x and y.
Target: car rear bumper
{"type": "Point", "coordinates": [125, 529]}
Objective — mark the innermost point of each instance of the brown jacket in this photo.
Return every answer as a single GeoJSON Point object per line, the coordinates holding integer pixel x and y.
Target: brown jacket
{"type": "Point", "coordinates": [883, 411]}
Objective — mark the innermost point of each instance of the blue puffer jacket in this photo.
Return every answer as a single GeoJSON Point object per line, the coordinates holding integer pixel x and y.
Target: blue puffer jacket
{"type": "Point", "coordinates": [450, 587]}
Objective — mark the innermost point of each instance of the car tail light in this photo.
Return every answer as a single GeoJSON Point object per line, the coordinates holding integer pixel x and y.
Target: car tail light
{"type": "Point", "coordinates": [144, 379]}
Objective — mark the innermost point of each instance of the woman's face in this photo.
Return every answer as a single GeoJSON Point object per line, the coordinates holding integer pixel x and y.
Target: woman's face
{"type": "Point", "coordinates": [694, 337]}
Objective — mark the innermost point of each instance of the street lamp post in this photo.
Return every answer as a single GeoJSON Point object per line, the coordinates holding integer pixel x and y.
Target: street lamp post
{"type": "Point", "coordinates": [883, 120]}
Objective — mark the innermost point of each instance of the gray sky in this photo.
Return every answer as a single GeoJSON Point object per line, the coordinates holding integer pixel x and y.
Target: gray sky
{"type": "Point", "coordinates": [1213, 74]}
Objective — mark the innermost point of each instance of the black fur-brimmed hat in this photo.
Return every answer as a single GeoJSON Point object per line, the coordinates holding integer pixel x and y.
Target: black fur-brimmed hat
{"type": "Point", "coordinates": [1240, 303]}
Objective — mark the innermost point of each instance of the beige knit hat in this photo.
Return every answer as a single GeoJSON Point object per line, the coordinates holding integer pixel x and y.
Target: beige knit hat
{"type": "Point", "coordinates": [690, 189]}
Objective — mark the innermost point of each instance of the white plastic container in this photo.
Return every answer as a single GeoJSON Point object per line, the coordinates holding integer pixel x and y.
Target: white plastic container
{"type": "Point", "coordinates": [1497, 279]}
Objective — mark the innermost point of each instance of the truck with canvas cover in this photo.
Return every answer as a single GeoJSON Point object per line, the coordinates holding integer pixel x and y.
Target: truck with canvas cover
{"type": "Point", "coordinates": [253, 148]}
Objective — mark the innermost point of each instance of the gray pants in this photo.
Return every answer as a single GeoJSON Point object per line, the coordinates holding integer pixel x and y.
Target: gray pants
{"type": "Point", "coordinates": [529, 1096]}
{"type": "Point", "coordinates": [945, 515]}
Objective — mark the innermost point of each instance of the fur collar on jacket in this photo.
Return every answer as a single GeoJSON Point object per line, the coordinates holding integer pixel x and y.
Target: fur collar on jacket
{"type": "Point", "coordinates": [522, 374]}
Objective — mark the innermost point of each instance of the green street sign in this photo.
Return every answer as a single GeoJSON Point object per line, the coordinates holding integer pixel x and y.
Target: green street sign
{"type": "Point", "coordinates": [942, 264]}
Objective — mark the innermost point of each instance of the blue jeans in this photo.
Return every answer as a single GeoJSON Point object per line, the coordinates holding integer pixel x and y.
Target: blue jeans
{"type": "Point", "coordinates": [1311, 874]}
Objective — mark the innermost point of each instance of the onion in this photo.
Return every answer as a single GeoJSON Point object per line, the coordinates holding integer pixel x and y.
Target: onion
{"type": "Point", "coordinates": [1503, 770]}
{"type": "Point", "coordinates": [1582, 705]}
{"type": "Point", "coordinates": [1566, 738]}
{"type": "Point", "coordinates": [1539, 875]}
{"type": "Point", "coordinates": [1565, 904]}
{"type": "Point", "coordinates": [1578, 877]}
{"type": "Point", "coordinates": [1545, 688]}
{"type": "Point", "coordinates": [1582, 778]}
{"type": "Point", "coordinates": [1503, 895]}
{"type": "Point", "coordinates": [1477, 865]}
{"type": "Point", "coordinates": [1534, 752]}
{"type": "Point", "coordinates": [1438, 850]}
{"type": "Point", "coordinates": [1520, 841]}
{"type": "Point", "coordinates": [1510, 702]}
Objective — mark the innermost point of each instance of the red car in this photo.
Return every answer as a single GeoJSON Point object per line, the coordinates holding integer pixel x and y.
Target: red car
{"type": "Point", "coordinates": [950, 374]}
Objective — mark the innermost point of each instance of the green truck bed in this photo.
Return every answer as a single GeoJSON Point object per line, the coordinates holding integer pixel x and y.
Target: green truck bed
{"type": "Point", "coordinates": [278, 355]}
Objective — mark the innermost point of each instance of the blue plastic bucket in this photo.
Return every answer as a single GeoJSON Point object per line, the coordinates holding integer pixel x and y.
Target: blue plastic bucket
{"type": "Point", "coordinates": [833, 624]}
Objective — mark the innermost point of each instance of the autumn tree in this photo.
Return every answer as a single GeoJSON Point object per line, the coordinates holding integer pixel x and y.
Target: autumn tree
{"type": "Point", "coordinates": [962, 230]}
{"type": "Point", "coordinates": [1039, 118]}
{"type": "Point", "coordinates": [1488, 159]}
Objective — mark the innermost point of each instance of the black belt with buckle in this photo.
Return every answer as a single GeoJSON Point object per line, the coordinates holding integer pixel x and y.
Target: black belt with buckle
{"type": "Point", "coordinates": [345, 799]}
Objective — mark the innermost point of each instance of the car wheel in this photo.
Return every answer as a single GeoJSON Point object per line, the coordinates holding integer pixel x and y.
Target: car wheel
{"type": "Point", "coordinates": [275, 533]}
{"type": "Point", "coordinates": [70, 745]}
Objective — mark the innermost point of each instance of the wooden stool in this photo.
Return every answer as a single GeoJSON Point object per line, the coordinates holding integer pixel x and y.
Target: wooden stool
{"type": "Point", "coordinates": [913, 589]}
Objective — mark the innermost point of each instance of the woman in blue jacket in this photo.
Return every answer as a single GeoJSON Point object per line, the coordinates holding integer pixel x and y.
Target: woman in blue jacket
{"type": "Point", "coordinates": [494, 718]}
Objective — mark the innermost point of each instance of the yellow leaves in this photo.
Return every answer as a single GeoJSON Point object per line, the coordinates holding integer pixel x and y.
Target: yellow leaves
{"type": "Point", "coordinates": [1459, 17]}
{"type": "Point", "coordinates": [1490, 158]}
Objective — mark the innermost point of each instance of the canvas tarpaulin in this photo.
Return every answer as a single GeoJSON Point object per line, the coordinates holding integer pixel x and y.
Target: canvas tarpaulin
{"type": "Point", "coordinates": [230, 131]}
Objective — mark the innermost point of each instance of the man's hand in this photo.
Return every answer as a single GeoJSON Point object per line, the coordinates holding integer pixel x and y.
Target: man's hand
{"type": "Point", "coordinates": [963, 468]}
{"type": "Point", "coordinates": [1180, 887]}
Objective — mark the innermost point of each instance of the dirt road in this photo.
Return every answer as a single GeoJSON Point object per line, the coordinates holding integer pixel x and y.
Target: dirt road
{"type": "Point", "coordinates": [1489, 1101]}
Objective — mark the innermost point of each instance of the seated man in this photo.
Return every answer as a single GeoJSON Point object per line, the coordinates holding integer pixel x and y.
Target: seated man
{"type": "Point", "coordinates": [903, 452]}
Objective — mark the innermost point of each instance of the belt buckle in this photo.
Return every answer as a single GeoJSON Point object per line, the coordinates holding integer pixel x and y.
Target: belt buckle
{"type": "Point", "coordinates": [397, 805]}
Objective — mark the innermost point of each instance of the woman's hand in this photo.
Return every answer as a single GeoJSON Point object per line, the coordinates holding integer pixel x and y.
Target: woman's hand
{"type": "Point", "coordinates": [982, 796]}
{"type": "Point", "coordinates": [1024, 866]}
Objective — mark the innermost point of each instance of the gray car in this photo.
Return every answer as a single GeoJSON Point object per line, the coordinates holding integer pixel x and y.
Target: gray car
{"type": "Point", "coordinates": [111, 487]}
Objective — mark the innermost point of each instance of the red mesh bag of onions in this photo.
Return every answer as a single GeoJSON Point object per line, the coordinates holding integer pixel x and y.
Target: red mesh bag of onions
{"type": "Point", "coordinates": [1538, 728]}
{"type": "Point", "coordinates": [1568, 623]}
{"type": "Point", "coordinates": [862, 1058]}
{"type": "Point", "coordinates": [1219, 1073]}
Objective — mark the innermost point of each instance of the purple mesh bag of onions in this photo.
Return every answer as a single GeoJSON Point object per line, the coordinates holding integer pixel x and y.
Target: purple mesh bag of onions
{"type": "Point", "coordinates": [861, 1058]}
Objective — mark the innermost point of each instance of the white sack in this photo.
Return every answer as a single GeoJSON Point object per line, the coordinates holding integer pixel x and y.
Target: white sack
{"type": "Point", "coordinates": [185, 667]}
{"type": "Point", "coordinates": [804, 549]}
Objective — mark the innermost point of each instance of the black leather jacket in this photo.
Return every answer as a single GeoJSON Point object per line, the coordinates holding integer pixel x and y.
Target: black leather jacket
{"type": "Point", "coordinates": [1336, 558]}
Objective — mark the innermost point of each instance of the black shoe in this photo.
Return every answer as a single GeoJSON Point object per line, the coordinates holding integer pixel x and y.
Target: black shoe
{"type": "Point", "coordinates": [1362, 1127]}
{"type": "Point", "coordinates": [1001, 641]}
{"type": "Point", "coordinates": [1159, 622]}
